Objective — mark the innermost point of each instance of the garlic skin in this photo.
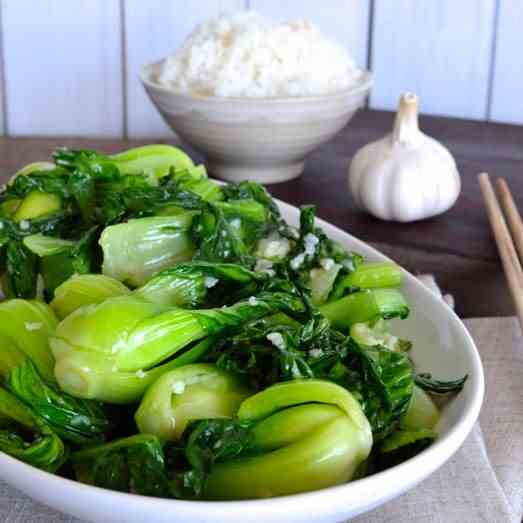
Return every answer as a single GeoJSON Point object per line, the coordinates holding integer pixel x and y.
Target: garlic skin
{"type": "Point", "coordinates": [407, 175]}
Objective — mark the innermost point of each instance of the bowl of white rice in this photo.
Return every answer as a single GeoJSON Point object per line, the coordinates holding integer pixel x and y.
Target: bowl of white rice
{"type": "Point", "coordinates": [256, 97]}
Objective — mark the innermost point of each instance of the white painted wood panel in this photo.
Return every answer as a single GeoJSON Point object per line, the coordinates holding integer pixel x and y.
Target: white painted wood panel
{"type": "Point", "coordinates": [2, 84]}
{"type": "Point", "coordinates": [507, 88]}
{"type": "Point", "coordinates": [63, 67]}
{"type": "Point", "coordinates": [347, 21]}
{"type": "Point", "coordinates": [153, 30]}
{"type": "Point", "coordinates": [440, 49]}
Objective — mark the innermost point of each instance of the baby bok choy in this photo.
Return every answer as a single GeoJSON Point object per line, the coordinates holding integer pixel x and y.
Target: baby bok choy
{"type": "Point", "coordinates": [28, 324]}
{"type": "Point", "coordinates": [154, 160]}
{"type": "Point", "coordinates": [197, 283]}
{"type": "Point", "coordinates": [187, 285]}
{"type": "Point", "coordinates": [85, 289]}
{"type": "Point", "coordinates": [136, 250]}
{"type": "Point", "coordinates": [189, 393]}
{"type": "Point", "coordinates": [26, 364]}
{"type": "Point", "coordinates": [114, 350]}
{"type": "Point", "coordinates": [292, 437]}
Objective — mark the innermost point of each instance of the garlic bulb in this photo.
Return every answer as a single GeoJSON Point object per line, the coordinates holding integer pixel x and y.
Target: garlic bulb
{"type": "Point", "coordinates": [407, 175]}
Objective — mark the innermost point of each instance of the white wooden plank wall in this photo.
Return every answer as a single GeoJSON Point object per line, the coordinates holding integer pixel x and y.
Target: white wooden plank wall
{"type": "Point", "coordinates": [439, 49]}
{"type": "Point", "coordinates": [63, 67]}
{"type": "Point", "coordinates": [507, 87]}
{"type": "Point", "coordinates": [71, 67]}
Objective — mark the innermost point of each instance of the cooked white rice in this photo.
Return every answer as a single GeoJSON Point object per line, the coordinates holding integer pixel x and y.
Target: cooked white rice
{"type": "Point", "coordinates": [245, 55]}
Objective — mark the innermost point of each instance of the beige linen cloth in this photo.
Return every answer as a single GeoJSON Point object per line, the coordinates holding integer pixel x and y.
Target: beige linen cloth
{"type": "Point", "coordinates": [483, 482]}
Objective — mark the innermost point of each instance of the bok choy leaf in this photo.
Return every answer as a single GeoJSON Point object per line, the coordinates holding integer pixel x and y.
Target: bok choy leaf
{"type": "Point", "coordinates": [132, 464]}
{"type": "Point", "coordinates": [27, 437]}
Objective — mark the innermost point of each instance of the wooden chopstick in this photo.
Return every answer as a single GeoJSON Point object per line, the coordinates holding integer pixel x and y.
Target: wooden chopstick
{"type": "Point", "coordinates": [511, 212]}
{"type": "Point", "coordinates": [507, 251]}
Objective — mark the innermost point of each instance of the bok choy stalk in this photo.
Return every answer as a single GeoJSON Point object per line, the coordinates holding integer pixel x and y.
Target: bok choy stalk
{"type": "Point", "coordinates": [417, 428]}
{"type": "Point", "coordinates": [364, 306]}
{"type": "Point", "coordinates": [27, 195]}
{"type": "Point", "coordinates": [153, 160]}
{"type": "Point", "coordinates": [27, 437]}
{"type": "Point", "coordinates": [186, 285]}
{"type": "Point", "coordinates": [415, 432]}
{"type": "Point", "coordinates": [85, 289]}
{"type": "Point", "coordinates": [378, 333]}
{"type": "Point", "coordinates": [135, 251]}
{"type": "Point", "coordinates": [193, 284]}
{"type": "Point", "coordinates": [142, 181]}
{"type": "Point", "coordinates": [368, 276]}
{"type": "Point", "coordinates": [76, 420]}
{"type": "Point", "coordinates": [189, 393]}
{"type": "Point", "coordinates": [110, 351]}
{"type": "Point", "coordinates": [60, 259]}
{"type": "Point", "coordinates": [25, 357]}
{"type": "Point", "coordinates": [422, 412]}
{"type": "Point", "coordinates": [132, 464]}
{"type": "Point", "coordinates": [292, 437]}
{"type": "Point", "coordinates": [28, 324]}
{"type": "Point", "coordinates": [45, 208]}
{"type": "Point", "coordinates": [36, 205]}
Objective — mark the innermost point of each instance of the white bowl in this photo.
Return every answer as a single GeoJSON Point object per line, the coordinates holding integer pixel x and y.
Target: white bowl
{"type": "Point", "coordinates": [263, 140]}
{"type": "Point", "coordinates": [442, 345]}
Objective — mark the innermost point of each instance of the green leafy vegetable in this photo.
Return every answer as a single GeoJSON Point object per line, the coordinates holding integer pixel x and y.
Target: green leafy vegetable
{"type": "Point", "coordinates": [81, 257]}
{"type": "Point", "coordinates": [422, 412]}
{"type": "Point", "coordinates": [37, 204]}
{"type": "Point", "coordinates": [364, 306]}
{"type": "Point", "coordinates": [132, 464]}
{"type": "Point", "coordinates": [136, 250]}
{"type": "Point", "coordinates": [21, 265]}
{"type": "Point", "coordinates": [401, 446]}
{"type": "Point", "coordinates": [26, 369]}
{"type": "Point", "coordinates": [85, 289]}
{"type": "Point", "coordinates": [76, 420]}
{"type": "Point", "coordinates": [197, 283]}
{"type": "Point", "coordinates": [206, 296]}
{"type": "Point", "coordinates": [46, 245]}
{"type": "Point", "coordinates": [154, 160]}
{"type": "Point", "coordinates": [27, 437]}
{"type": "Point", "coordinates": [276, 348]}
{"type": "Point", "coordinates": [104, 351]}
{"type": "Point", "coordinates": [29, 324]}
{"type": "Point", "coordinates": [383, 381]}
{"type": "Point", "coordinates": [191, 392]}
{"type": "Point", "coordinates": [378, 333]}
{"type": "Point", "coordinates": [289, 438]}
{"type": "Point", "coordinates": [368, 276]}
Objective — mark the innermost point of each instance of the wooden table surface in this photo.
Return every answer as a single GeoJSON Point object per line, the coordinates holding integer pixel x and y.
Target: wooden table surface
{"type": "Point", "coordinates": [457, 246]}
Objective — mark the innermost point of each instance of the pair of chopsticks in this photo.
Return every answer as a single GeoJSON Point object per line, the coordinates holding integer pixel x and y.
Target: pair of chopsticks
{"type": "Point", "coordinates": [508, 252]}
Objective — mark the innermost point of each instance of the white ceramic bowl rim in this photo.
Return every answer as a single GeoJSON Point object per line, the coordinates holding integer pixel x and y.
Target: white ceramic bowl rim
{"type": "Point", "coordinates": [363, 84]}
{"type": "Point", "coordinates": [427, 461]}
